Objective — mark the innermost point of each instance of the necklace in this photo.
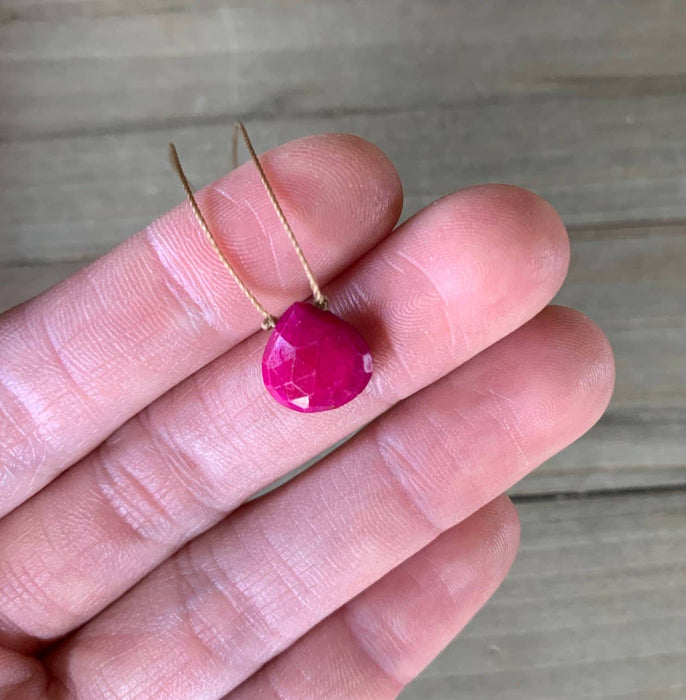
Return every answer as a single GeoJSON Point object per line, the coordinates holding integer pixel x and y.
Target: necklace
{"type": "Point", "coordinates": [313, 360]}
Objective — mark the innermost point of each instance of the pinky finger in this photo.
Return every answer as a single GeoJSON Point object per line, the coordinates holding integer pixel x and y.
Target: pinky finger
{"type": "Point", "coordinates": [383, 638]}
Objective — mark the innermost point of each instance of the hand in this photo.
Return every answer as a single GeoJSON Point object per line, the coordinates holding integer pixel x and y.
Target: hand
{"type": "Point", "coordinates": [135, 426]}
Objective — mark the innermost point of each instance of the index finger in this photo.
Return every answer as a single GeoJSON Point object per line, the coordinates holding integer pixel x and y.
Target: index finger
{"type": "Point", "coordinates": [81, 359]}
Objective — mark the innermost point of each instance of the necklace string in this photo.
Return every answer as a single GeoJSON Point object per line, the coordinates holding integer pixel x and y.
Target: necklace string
{"type": "Point", "coordinates": [268, 321]}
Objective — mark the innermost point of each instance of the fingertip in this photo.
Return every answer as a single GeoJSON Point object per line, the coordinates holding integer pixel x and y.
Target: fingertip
{"type": "Point", "coordinates": [568, 381]}
{"type": "Point", "coordinates": [487, 539]}
{"type": "Point", "coordinates": [503, 532]}
{"type": "Point", "coordinates": [528, 219]}
{"type": "Point", "coordinates": [334, 171]}
{"type": "Point", "coordinates": [501, 244]}
{"type": "Point", "coordinates": [584, 354]}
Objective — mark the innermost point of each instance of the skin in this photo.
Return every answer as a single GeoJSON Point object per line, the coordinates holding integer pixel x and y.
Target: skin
{"type": "Point", "coordinates": [135, 429]}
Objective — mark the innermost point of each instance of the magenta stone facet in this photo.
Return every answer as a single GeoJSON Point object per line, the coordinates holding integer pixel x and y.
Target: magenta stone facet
{"type": "Point", "coordinates": [314, 360]}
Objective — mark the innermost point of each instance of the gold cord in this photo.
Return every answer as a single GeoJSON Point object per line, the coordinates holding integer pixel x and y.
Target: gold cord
{"type": "Point", "coordinates": [319, 298]}
{"type": "Point", "coordinates": [269, 321]}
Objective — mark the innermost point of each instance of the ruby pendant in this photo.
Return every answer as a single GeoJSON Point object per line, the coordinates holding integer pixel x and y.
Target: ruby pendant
{"type": "Point", "coordinates": [314, 360]}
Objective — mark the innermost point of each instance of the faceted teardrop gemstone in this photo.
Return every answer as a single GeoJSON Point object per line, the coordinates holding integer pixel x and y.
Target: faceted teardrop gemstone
{"type": "Point", "coordinates": [314, 360]}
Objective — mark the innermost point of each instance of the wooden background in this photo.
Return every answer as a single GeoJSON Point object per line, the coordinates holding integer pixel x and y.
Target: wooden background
{"type": "Point", "coordinates": [583, 102]}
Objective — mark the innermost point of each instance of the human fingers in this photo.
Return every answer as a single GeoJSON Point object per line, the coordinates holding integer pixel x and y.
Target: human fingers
{"type": "Point", "coordinates": [240, 594]}
{"type": "Point", "coordinates": [21, 677]}
{"type": "Point", "coordinates": [79, 360]}
{"type": "Point", "coordinates": [379, 641]}
{"type": "Point", "coordinates": [454, 279]}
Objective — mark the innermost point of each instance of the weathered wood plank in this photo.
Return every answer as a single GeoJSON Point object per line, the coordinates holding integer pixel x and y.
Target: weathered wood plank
{"type": "Point", "coordinates": [19, 283]}
{"type": "Point", "coordinates": [594, 607]}
{"type": "Point", "coordinates": [631, 281]}
{"type": "Point", "coordinates": [158, 62]}
{"type": "Point", "coordinates": [595, 159]}
{"type": "Point", "coordinates": [477, 16]}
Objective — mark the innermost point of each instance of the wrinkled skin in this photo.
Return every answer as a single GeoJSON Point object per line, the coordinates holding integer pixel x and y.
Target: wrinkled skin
{"type": "Point", "coordinates": [135, 427]}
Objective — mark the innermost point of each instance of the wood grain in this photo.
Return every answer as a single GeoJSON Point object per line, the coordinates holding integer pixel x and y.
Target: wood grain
{"type": "Point", "coordinates": [593, 608]}
{"type": "Point", "coordinates": [583, 103]}
{"type": "Point", "coordinates": [21, 282]}
{"type": "Point", "coordinates": [154, 62]}
{"type": "Point", "coordinates": [598, 160]}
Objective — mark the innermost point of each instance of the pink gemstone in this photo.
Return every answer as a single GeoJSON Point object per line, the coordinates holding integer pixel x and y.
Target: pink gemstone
{"type": "Point", "coordinates": [314, 360]}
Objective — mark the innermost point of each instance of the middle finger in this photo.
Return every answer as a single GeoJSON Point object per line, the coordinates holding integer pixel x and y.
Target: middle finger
{"type": "Point", "coordinates": [451, 281]}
